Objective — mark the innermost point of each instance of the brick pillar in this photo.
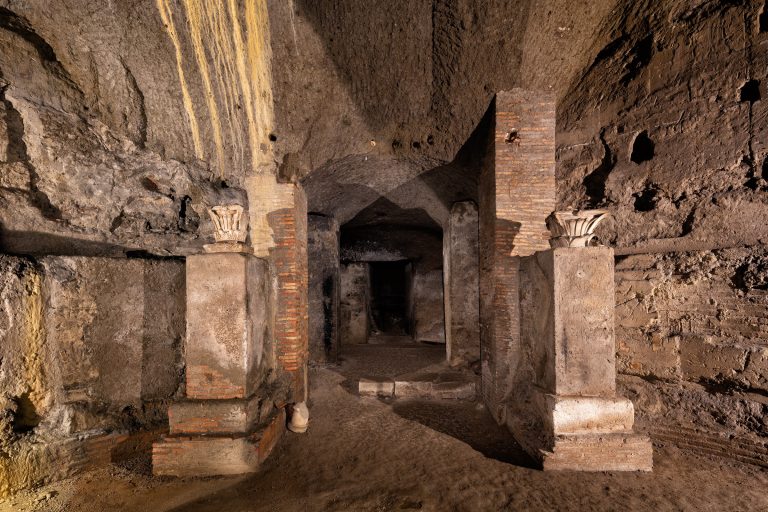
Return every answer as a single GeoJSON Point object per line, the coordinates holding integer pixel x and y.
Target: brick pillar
{"type": "Point", "coordinates": [279, 232]}
{"type": "Point", "coordinates": [517, 192]}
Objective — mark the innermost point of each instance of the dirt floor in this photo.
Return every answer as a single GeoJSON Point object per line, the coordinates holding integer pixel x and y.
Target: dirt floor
{"type": "Point", "coordinates": [366, 454]}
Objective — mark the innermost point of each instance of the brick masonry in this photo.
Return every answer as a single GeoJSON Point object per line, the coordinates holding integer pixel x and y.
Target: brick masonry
{"type": "Point", "coordinates": [517, 192]}
{"type": "Point", "coordinates": [278, 232]}
{"type": "Point", "coordinates": [289, 258]}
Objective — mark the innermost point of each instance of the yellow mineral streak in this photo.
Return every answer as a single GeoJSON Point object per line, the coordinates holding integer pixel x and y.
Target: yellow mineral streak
{"type": "Point", "coordinates": [195, 21]}
{"type": "Point", "coordinates": [232, 55]}
{"type": "Point", "coordinates": [34, 337]}
{"type": "Point", "coordinates": [243, 78]}
{"type": "Point", "coordinates": [225, 78]}
{"type": "Point", "coordinates": [260, 64]}
{"type": "Point", "coordinates": [166, 15]}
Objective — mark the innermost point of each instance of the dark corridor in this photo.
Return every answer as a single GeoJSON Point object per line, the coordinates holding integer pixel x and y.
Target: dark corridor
{"type": "Point", "coordinates": [389, 297]}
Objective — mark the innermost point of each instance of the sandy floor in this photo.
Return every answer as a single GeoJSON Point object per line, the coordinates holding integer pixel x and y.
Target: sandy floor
{"type": "Point", "coordinates": [364, 454]}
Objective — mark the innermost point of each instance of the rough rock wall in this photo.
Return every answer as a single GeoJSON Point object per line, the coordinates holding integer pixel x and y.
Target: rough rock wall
{"type": "Point", "coordinates": [112, 137]}
{"type": "Point", "coordinates": [90, 346]}
{"type": "Point", "coordinates": [676, 151]}
{"type": "Point", "coordinates": [666, 128]}
{"type": "Point", "coordinates": [413, 77]}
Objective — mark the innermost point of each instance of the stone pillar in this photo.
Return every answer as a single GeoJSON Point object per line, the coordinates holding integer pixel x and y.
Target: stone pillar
{"type": "Point", "coordinates": [461, 284]}
{"type": "Point", "coordinates": [324, 292]}
{"type": "Point", "coordinates": [567, 414]}
{"type": "Point", "coordinates": [426, 297]}
{"type": "Point", "coordinates": [354, 305]}
{"type": "Point", "coordinates": [517, 192]}
{"type": "Point", "coordinates": [227, 424]}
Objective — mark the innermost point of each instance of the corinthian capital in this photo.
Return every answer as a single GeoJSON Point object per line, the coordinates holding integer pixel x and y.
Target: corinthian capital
{"type": "Point", "coordinates": [574, 228]}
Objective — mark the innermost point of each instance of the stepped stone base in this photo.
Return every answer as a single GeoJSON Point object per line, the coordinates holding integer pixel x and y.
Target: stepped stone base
{"type": "Point", "coordinates": [565, 415]}
{"type": "Point", "coordinates": [213, 416]}
{"type": "Point", "coordinates": [599, 452]}
{"type": "Point", "coordinates": [210, 455]}
{"type": "Point", "coordinates": [439, 384]}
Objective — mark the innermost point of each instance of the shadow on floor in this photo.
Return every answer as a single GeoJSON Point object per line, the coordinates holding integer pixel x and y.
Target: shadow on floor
{"type": "Point", "coordinates": [470, 423]}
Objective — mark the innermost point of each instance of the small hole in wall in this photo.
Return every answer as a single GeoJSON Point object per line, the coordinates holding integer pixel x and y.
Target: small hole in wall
{"type": "Point", "coordinates": [762, 20]}
{"type": "Point", "coordinates": [25, 419]}
{"type": "Point", "coordinates": [224, 184]}
{"type": "Point", "coordinates": [764, 169]}
{"type": "Point", "coordinates": [512, 136]}
{"type": "Point", "coordinates": [750, 91]}
{"type": "Point", "coordinates": [272, 137]}
{"type": "Point", "coordinates": [643, 148]}
{"type": "Point", "coordinates": [646, 200]}
{"type": "Point", "coordinates": [416, 144]}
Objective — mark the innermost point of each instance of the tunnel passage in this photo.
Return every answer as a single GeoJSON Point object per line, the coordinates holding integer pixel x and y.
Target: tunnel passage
{"type": "Point", "coordinates": [371, 211]}
{"type": "Point", "coordinates": [391, 284]}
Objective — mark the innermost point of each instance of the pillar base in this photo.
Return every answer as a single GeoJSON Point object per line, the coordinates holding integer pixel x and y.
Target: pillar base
{"type": "Point", "coordinates": [564, 415]}
{"type": "Point", "coordinates": [599, 452]}
{"type": "Point", "coordinates": [237, 415]}
{"type": "Point", "coordinates": [185, 455]}
{"type": "Point", "coordinates": [581, 433]}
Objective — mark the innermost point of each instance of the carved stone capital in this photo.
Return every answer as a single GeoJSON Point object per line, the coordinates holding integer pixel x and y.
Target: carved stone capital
{"type": "Point", "coordinates": [230, 228]}
{"type": "Point", "coordinates": [574, 228]}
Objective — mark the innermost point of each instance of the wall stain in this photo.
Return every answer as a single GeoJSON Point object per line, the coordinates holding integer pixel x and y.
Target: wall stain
{"type": "Point", "coordinates": [232, 59]}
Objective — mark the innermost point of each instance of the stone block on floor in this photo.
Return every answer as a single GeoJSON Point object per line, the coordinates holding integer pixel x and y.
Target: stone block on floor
{"type": "Point", "coordinates": [374, 386]}
{"type": "Point", "coordinates": [436, 385]}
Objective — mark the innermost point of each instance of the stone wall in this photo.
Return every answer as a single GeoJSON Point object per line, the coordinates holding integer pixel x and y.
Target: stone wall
{"type": "Point", "coordinates": [90, 346]}
{"type": "Point", "coordinates": [694, 323]}
{"type": "Point", "coordinates": [324, 290]}
{"type": "Point", "coordinates": [695, 316]}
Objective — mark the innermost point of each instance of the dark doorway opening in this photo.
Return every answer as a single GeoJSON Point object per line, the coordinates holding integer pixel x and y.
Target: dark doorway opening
{"type": "Point", "coordinates": [389, 297]}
